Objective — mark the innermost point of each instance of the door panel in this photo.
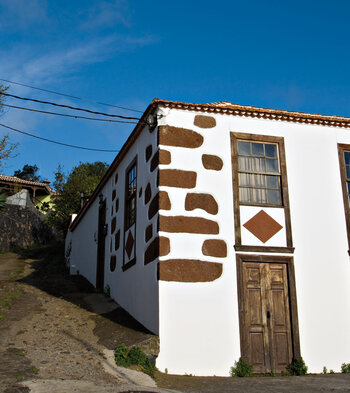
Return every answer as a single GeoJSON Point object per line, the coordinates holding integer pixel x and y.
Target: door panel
{"type": "Point", "coordinates": [267, 342]}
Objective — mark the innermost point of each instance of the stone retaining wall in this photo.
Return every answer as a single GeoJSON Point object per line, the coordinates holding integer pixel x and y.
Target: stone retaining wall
{"type": "Point", "coordinates": [22, 226]}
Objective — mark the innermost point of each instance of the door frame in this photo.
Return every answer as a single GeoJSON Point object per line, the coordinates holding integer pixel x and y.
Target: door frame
{"type": "Point", "coordinates": [101, 246]}
{"type": "Point", "coordinates": [288, 260]}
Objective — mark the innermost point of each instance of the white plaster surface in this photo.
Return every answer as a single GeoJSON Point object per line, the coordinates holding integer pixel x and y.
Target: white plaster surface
{"type": "Point", "coordinates": [199, 322]}
{"type": "Point", "coordinates": [135, 289]}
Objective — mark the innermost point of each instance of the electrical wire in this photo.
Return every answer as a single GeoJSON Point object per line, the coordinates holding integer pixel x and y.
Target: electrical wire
{"type": "Point", "coordinates": [58, 143]}
{"type": "Point", "coordinates": [65, 115]}
{"type": "Point", "coordinates": [70, 107]}
{"type": "Point", "coordinates": [70, 96]}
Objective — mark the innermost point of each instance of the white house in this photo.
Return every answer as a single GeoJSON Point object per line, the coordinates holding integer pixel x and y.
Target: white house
{"type": "Point", "coordinates": [225, 229]}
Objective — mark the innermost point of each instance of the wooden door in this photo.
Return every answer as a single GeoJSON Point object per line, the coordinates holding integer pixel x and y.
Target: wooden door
{"type": "Point", "coordinates": [100, 272]}
{"type": "Point", "coordinates": [267, 338]}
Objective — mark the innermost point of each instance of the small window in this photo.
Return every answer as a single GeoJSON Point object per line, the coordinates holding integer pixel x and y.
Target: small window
{"type": "Point", "coordinates": [259, 175]}
{"type": "Point", "coordinates": [344, 161]}
{"type": "Point", "coordinates": [347, 174]}
{"type": "Point", "coordinates": [130, 197]}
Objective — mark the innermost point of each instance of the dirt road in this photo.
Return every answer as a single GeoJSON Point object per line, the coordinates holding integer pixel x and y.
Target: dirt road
{"type": "Point", "coordinates": [56, 328]}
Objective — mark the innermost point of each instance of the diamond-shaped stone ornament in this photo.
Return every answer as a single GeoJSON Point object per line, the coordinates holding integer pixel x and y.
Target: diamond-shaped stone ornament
{"type": "Point", "coordinates": [263, 226]}
{"type": "Point", "coordinates": [129, 244]}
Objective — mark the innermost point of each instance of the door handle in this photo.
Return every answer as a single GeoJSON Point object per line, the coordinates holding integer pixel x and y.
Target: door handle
{"type": "Point", "coordinates": [268, 314]}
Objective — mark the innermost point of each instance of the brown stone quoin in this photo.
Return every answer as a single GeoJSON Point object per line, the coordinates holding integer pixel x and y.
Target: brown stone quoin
{"type": "Point", "coordinates": [181, 137]}
{"type": "Point", "coordinates": [188, 270]}
{"type": "Point", "coordinates": [182, 224]}
{"type": "Point", "coordinates": [211, 162]}
{"type": "Point", "coordinates": [203, 121]}
{"type": "Point", "coordinates": [177, 178]}
{"type": "Point", "coordinates": [160, 201]}
{"type": "Point", "coordinates": [159, 247]}
{"type": "Point", "coordinates": [164, 157]}
{"type": "Point", "coordinates": [201, 201]}
{"type": "Point", "coordinates": [113, 225]}
{"type": "Point", "coordinates": [148, 232]}
{"type": "Point", "coordinates": [148, 193]}
{"type": "Point", "coordinates": [214, 248]}
{"type": "Point", "coordinates": [117, 240]}
{"type": "Point", "coordinates": [148, 152]}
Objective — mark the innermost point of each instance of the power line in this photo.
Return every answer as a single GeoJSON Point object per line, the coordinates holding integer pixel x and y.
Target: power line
{"type": "Point", "coordinates": [58, 143]}
{"type": "Point", "coordinates": [65, 115]}
{"type": "Point", "coordinates": [70, 96]}
{"type": "Point", "coordinates": [70, 107]}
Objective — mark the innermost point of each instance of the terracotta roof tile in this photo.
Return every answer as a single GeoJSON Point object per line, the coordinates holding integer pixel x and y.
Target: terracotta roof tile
{"type": "Point", "coordinates": [17, 180]}
{"type": "Point", "coordinates": [229, 108]}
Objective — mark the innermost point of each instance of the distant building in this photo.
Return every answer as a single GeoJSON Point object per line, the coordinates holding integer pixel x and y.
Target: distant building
{"type": "Point", "coordinates": [225, 229]}
{"type": "Point", "coordinates": [27, 192]}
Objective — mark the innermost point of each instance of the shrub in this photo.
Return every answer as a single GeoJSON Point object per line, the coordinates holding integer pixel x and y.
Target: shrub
{"type": "Point", "coordinates": [324, 371]}
{"type": "Point", "coordinates": [297, 367]}
{"type": "Point", "coordinates": [241, 369]}
{"type": "Point", "coordinates": [135, 356]}
{"type": "Point", "coordinates": [121, 355]}
{"type": "Point", "coordinates": [345, 368]}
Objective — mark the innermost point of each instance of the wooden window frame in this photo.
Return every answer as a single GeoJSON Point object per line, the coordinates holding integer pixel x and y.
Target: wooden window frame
{"type": "Point", "coordinates": [342, 148]}
{"type": "Point", "coordinates": [288, 260]}
{"type": "Point", "coordinates": [279, 141]}
{"type": "Point", "coordinates": [132, 262]}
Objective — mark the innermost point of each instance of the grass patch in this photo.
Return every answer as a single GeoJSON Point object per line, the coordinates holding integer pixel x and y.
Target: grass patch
{"type": "Point", "coordinates": [7, 297]}
{"type": "Point", "coordinates": [133, 358]}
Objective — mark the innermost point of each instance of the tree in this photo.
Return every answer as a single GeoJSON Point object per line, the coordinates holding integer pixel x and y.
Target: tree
{"type": "Point", "coordinates": [6, 148]}
{"type": "Point", "coordinates": [82, 180]}
{"type": "Point", "coordinates": [28, 172]}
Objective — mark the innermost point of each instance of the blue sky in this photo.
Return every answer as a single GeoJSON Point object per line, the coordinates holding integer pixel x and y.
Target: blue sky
{"type": "Point", "coordinates": [286, 55]}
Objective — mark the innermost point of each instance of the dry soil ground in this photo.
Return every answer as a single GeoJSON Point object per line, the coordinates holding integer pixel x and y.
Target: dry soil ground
{"type": "Point", "coordinates": [55, 333]}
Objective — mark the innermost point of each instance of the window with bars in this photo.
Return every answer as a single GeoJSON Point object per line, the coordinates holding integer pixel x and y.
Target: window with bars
{"type": "Point", "coordinates": [130, 196]}
{"type": "Point", "coordinates": [259, 175]}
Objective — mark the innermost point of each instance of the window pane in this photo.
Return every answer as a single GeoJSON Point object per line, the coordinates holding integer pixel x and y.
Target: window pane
{"type": "Point", "coordinates": [244, 179]}
{"type": "Point", "coordinates": [258, 164]}
{"type": "Point", "coordinates": [259, 181]}
{"type": "Point", "coordinates": [245, 195]}
{"type": "Point", "coordinates": [274, 197]}
{"type": "Point", "coordinates": [348, 172]}
{"type": "Point", "coordinates": [347, 157]}
{"type": "Point", "coordinates": [244, 148]}
{"type": "Point", "coordinates": [258, 149]}
{"type": "Point", "coordinates": [271, 151]}
{"type": "Point", "coordinates": [348, 186]}
{"type": "Point", "coordinates": [244, 164]}
{"type": "Point", "coordinates": [272, 182]}
{"type": "Point", "coordinates": [271, 165]}
{"type": "Point", "coordinates": [260, 195]}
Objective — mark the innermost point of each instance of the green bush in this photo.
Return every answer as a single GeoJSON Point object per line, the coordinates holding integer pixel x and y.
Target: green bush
{"type": "Point", "coordinates": [297, 367]}
{"type": "Point", "coordinates": [121, 355]}
{"type": "Point", "coordinates": [324, 371]}
{"type": "Point", "coordinates": [241, 369]}
{"type": "Point", "coordinates": [345, 368]}
{"type": "Point", "coordinates": [135, 356]}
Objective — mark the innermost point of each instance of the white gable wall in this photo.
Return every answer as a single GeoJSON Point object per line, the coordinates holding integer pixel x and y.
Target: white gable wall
{"type": "Point", "coordinates": [135, 289]}
{"type": "Point", "coordinates": [199, 324]}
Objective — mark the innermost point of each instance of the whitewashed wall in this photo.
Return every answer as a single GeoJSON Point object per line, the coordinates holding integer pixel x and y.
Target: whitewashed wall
{"type": "Point", "coordinates": [135, 289]}
{"type": "Point", "coordinates": [199, 324]}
